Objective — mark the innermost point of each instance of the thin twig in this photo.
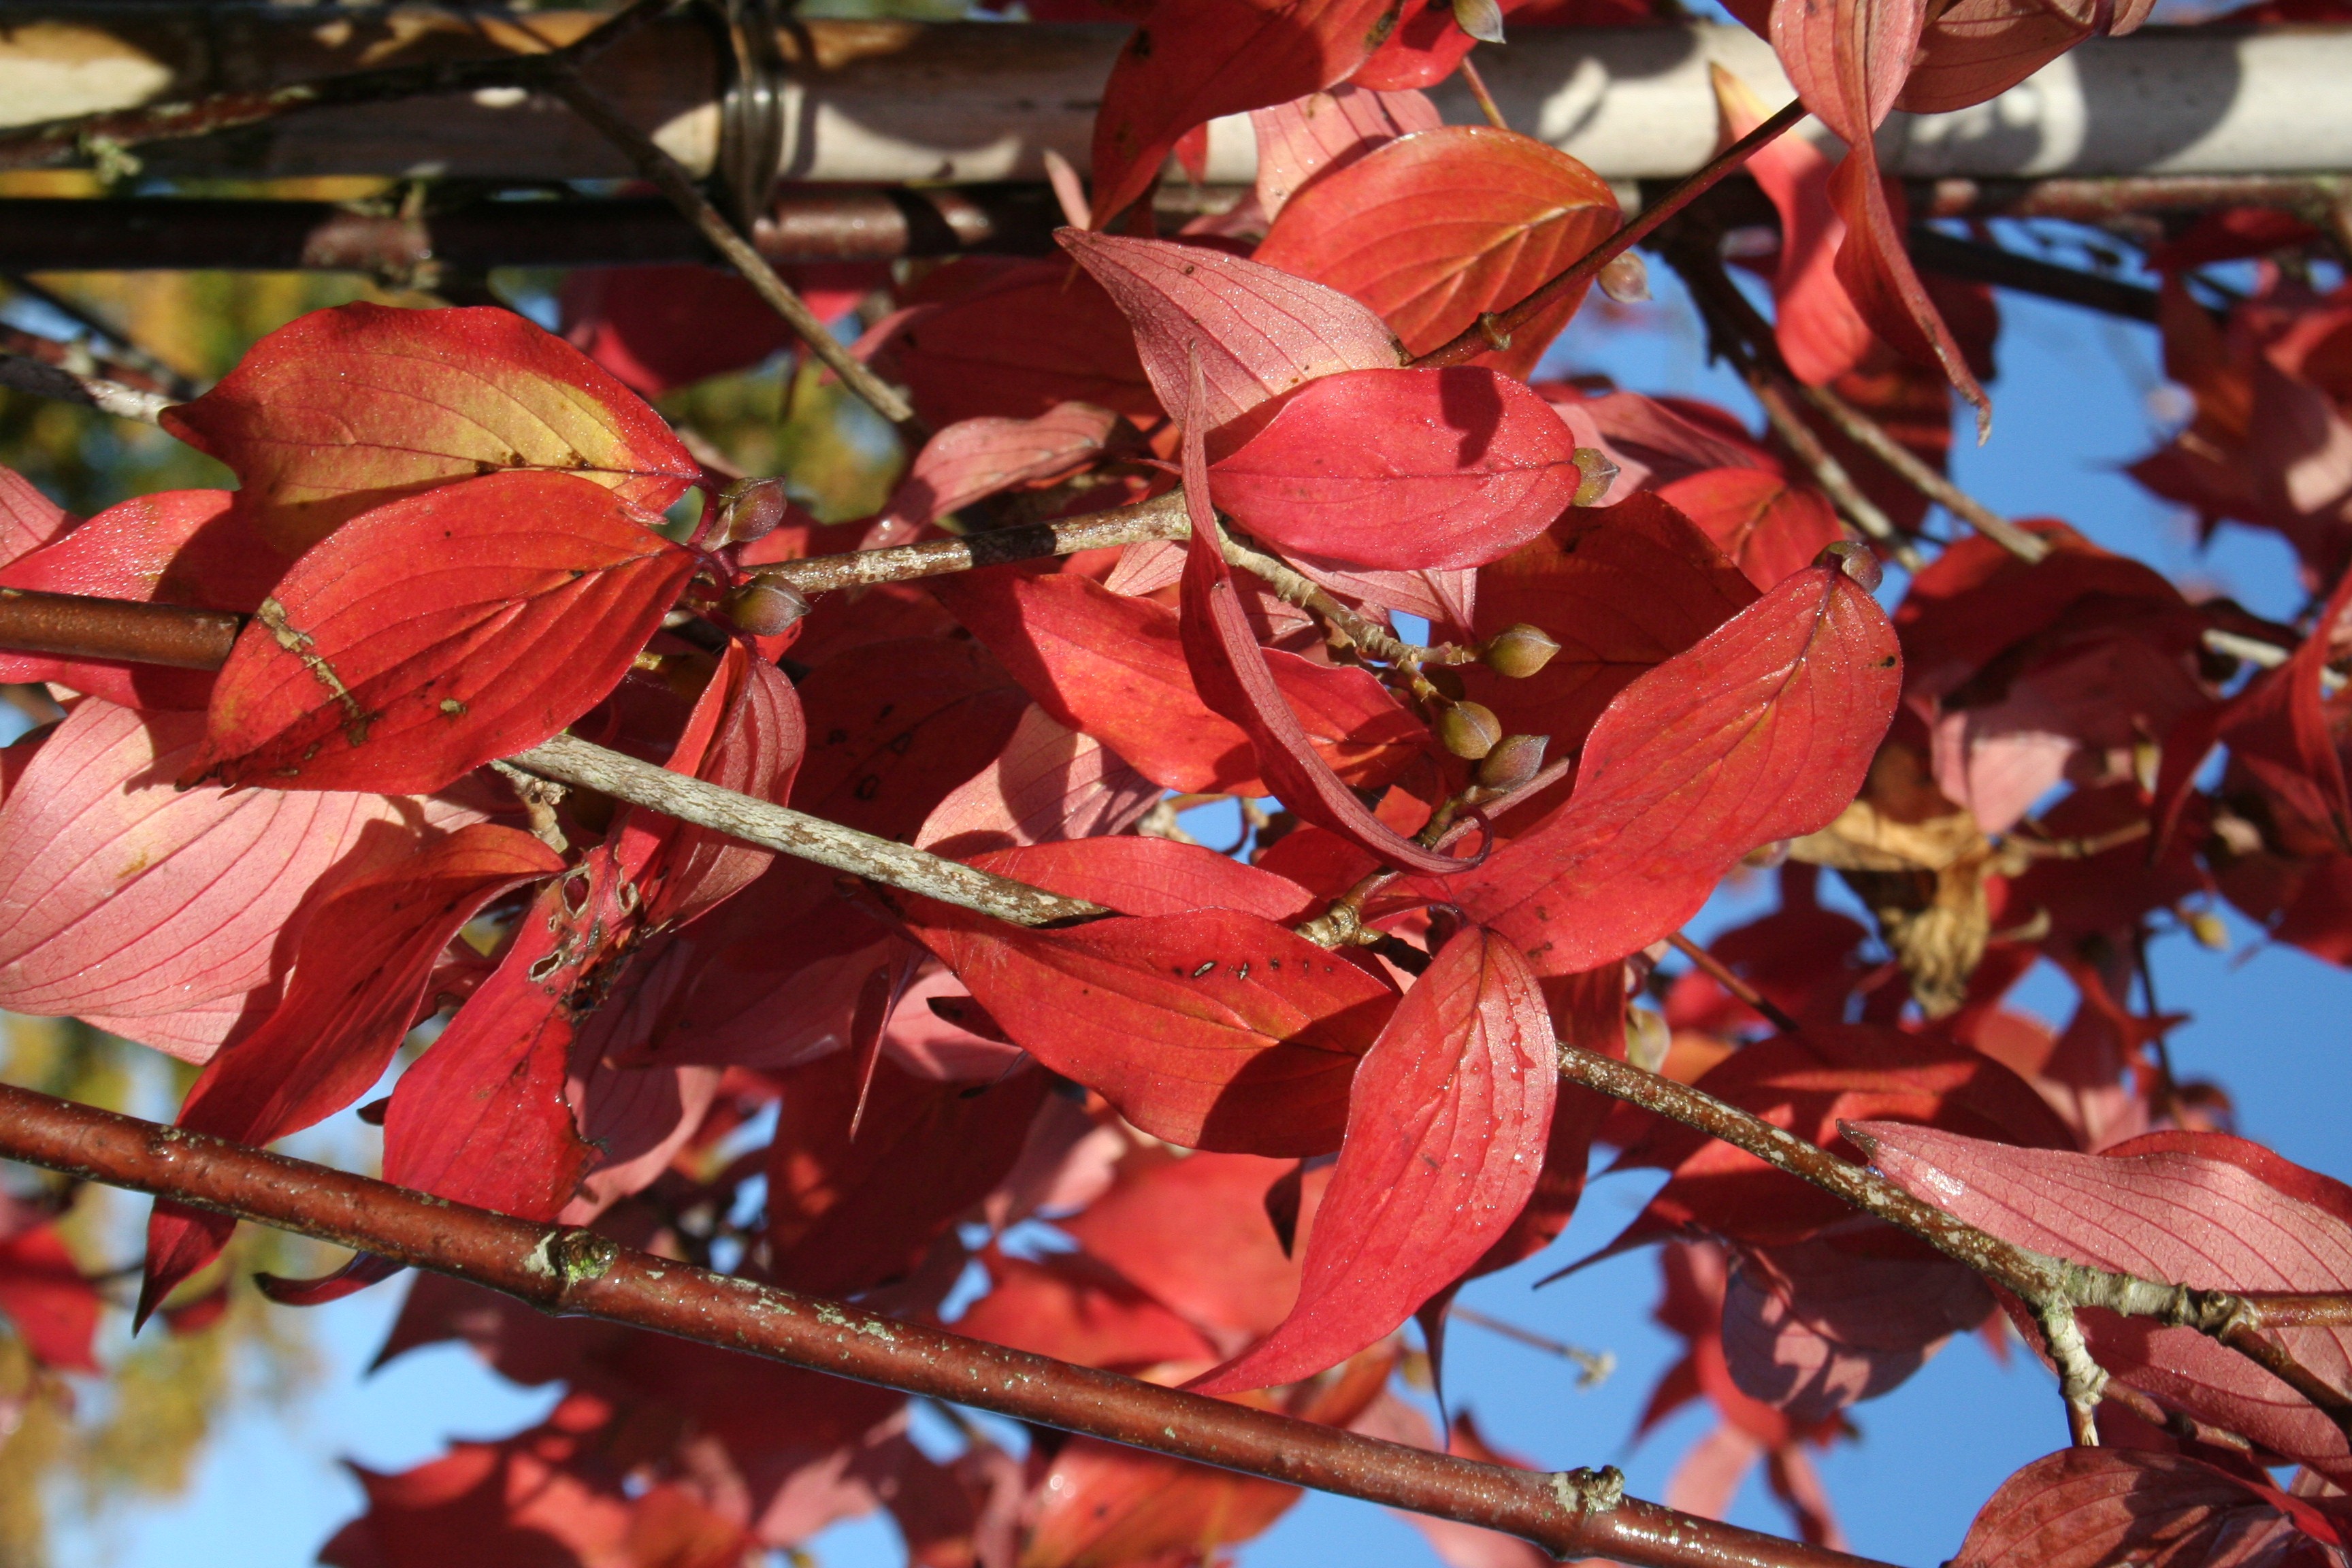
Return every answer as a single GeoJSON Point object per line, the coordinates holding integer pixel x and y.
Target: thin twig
{"type": "Point", "coordinates": [1493, 330]}
{"type": "Point", "coordinates": [126, 354]}
{"type": "Point", "coordinates": [1593, 1367]}
{"type": "Point", "coordinates": [91, 392]}
{"type": "Point", "coordinates": [1485, 100]}
{"type": "Point", "coordinates": [107, 135]}
{"type": "Point", "coordinates": [578, 1273]}
{"type": "Point", "coordinates": [1836, 483]}
{"type": "Point", "coordinates": [1872, 437]}
{"type": "Point", "coordinates": [1723, 975]}
{"type": "Point", "coordinates": [671, 178]}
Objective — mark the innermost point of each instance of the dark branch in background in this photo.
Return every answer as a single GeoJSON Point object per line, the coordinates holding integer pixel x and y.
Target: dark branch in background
{"type": "Point", "coordinates": [1936, 251]}
{"type": "Point", "coordinates": [581, 1274]}
{"type": "Point", "coordinates": [113, 133]}
{"type": "Point", "coordinates": [124, 352]}
{"type": "Point", "coordinates": [671, 178]}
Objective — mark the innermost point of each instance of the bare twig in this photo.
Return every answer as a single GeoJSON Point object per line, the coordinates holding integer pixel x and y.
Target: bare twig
{"type": "Point", "coordinates": [1872, 437]}
{"type": "Point", "coordinates": [1593, 1367]}
{"type": "Point", "coordinates": [109, 135]}
{"type": "Point", "coordinates": [1493, 330]}
{"type": "Point", "coordinates": [126, 353]}
{"type": "Point", "coordinates": [51, 381]}
{"type": "Point", "coordinates": [673, 180]}
{"type": "Point", "coordinates": [578, 1273]}
{"type": "Point", "coordinates": [1484, 99]}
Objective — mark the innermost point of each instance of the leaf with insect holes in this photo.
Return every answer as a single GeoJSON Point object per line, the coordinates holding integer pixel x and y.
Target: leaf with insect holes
{"type": "Point", "coordinates": [125, 900]}
{"type": "Point", "coordinates": [361, 965]}
{"type": "Point", "coordinates": [1762, 731]}
{"type": "Point", "coordinates": [1114, 668]}
{"type": "Point", "coordinates": [1193, 61]}
{"type": "Point", "coordinates": [2205, 1210]}
{"type": "Point", "coordinates": [1258, 332]}
{"type": "Point", "coordinates": [342, 410]}
{"type": "Point", "coordinates": [438, 632]}
{"type": "Point", "coordinates": [2087, 1507]}
{"type": "Point", "coordinates": [1446, 1125]}
{"type": "Point", "coordinates": [1406, 469]}
{"type": "Point", "coordinates": [1203, 1019]}
{"type": "Point", "coordinates": [1437, 228]}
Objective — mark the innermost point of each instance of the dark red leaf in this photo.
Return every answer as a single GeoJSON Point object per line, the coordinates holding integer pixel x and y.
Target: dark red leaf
{"type": "Point", "coordinates": [745, 734]}
{"type": "Point", "coordinates": [1438, 228]}
{"type": "Point", "coordinates": [1076, 1308]}
{"type": "Point", "coordinates": [361, 965]}
{"type": "Point", "coordinates": [974, 459]}
{"type": "Point", "coordinates": [984, 337]}
{"type": "Point", "coordinates": [43, 1295]}
{"type": "Point", "coordinates": [1259, 331]}
{"type": "Point", "coordinates": [1446, 1124]}
{"type": "Point", "coordinates": [1193, 61]}
{"type": "Point", "coordinates": [344, 410]}
{"type": "Point", "coordinates": [1763, 731]}
{"type": "Point", "coordinates": [1405, 469]}
{"type": "Point", "coordinates": [2089, 1507]}
{"type": "Point", "coordinates": [438, 632]}
{"type": "Point", "coordinates": [660, 327]}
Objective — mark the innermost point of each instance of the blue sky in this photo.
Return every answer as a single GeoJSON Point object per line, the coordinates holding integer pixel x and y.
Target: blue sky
{"type": "Point", "coordinates": [2077, 398]}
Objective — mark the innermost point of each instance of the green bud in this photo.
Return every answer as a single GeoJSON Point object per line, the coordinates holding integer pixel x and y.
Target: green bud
{"type": "Point", "coordinates": [766, 605]}
{"type": "Point", "coordinates": [1513, 762]}
{"type": "Point", "coordinates": [1518, 652]}
{"type": "Point", "coordinates": [1469, 730]}
{"type": "Point", "coordinates": [1599, 473]}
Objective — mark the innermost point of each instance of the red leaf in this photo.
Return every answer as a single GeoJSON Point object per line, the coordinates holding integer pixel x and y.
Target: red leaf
{"type": "Point", "coordinates": [1770, 526]}
{"type": "Point", "coordinates": [977, 458]}
{"type": "Point", "coordinates": [846, 1212]}
{"type": "Point", "coordinates": [1050, 783]}
{"type": "Point", "coordinates": [1193, 61]}
{"type": "Point", "coordinates": [1438, 228]}
{"type": "Point", "coordinates": [984, 336]}
{"type": "Point", "coordinates": [1622, 590]}
{"type": "Point", "coordinates": [1820, 335]}
{"type": "Point", "coordinates": [1323, 131]}
{"type": "Point", "coordinates": [438, 632]}
{"type": "Point", "coordinates": [1075, 1308]}
{"type": "Point", "coordinates": [344, 410]}
{"type": "Point", "coordinates": [125, 900]}
{"type": "Point", "coordinates": [175, 547]}
{"type": "Point", "coordinates": [746, 734]}
{"type": "Point", "coordinates": [660, 327]}
{"type": "Point", "coordinates": [29, 520]}
{"type": "Point", "coordinates": [2087, 1507]}
{"type": "Point", "coordinates": [1402, 468]}
{"type": "Point", "coordinates": [2204, 1210]}
{"type": "Point", "coordinates": [1259, 331]}
{"type": "Point", "coordinates": [1114, 666]}
{"type": "Point", "coordinates": [1848, 61]}
{"type": "Point", "coordinates": [1213, 1028]}
{"type": "Point", "coordinates": [1763, 731]}
{"type": "Point", "coordinates": [42, 1294]}
{"type": "Point", "coordinates": [481, 1117]}
{"type": "Point", "coordinates": [360, 965]}
{"type": "Point", "coordinates": [1446, 1124]}
{"type": "Point", "coordinates": [1231, 671]}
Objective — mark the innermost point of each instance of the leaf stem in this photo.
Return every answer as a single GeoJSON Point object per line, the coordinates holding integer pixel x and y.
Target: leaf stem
{"type": "Point", "coordinates": [1724, 975]}
{"type": "Point", "coordinates": [578, 1273]}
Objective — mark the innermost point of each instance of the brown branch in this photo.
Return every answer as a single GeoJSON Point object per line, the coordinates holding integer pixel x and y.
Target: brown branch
{"type": "Point", "coordinates": [126, 355]}
{"type": "Point", "coordinates": [671, 178]}
{"type": "Point", "coordinates": [1872, 437]}
{"type": "Point", "coordinates": [1493, 330]}
{"type": "Point", "coordinates": [578, 1273]}
{"type": "Point", "coordinates": [54, 382]}
{"type": "Point", "coordinates": [107, 135]}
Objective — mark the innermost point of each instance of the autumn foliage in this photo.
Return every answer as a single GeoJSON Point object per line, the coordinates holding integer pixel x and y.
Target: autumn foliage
{"type": "Point", "coordinates": [1277, 1104]}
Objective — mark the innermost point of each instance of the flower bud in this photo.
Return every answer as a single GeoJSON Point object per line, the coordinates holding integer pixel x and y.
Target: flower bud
{"type": "Point", "coordinates": [766, 605]}
{"type": "Point", "coordinates": [1469, 730]}
{"type": "Point", "coordinates": [2209, 930]}
{"type": "Point", "coordinates": [1513, 762]}
{"type": "Point", "coordinates": [1855, 561]}
{"type": "Point", "coordinates": [1481, 19]}
{"type": "Point", "coordinates": [1626, 279]}
{"type": "Point", "coordinates": [1518, 652]}
{"type": "Point", "coordinates": [754, 507]}
{"type": "Point", "coordinates": [1599, 473]}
